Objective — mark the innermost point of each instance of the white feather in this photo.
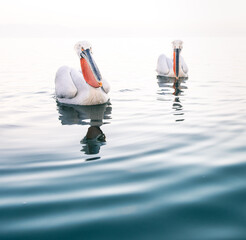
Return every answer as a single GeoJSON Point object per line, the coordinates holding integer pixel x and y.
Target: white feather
{"type": "Point", "coordinates": [165, 65]}
{"type": "Point", "coordinates": [162, 65]}
{"type": "Point", "coordinates": [106, 85]}
{"type": "Point", "coordinates": [81, 93]}
{"type": "Point", "coordinates": [64, 85]}
{"type": "Point", "coordinates": [82, 44]}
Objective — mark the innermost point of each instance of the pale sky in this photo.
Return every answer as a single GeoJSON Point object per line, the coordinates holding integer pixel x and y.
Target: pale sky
{"type": "Point", "coordinates": [122, 18]}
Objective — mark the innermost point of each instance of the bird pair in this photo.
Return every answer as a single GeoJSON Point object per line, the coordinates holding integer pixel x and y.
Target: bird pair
{"type": "Point", "coordinates": [87, 87]}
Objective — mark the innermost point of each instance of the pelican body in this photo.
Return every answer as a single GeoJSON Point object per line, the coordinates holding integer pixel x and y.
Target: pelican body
{"type": "Point", "coordinates": [173, 68]}
{"type": "Point", "coordinates": [84, 87]}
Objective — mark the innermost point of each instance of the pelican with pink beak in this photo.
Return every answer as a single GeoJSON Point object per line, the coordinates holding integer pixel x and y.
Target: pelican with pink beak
{"type": "Point", "coordinates": [83, 87]}
{"type": "Point", "coordinates": [173, 68]}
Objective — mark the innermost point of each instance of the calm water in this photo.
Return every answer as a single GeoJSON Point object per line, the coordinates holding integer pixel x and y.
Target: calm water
{"type": "Point", "coordinates": [169, 161]}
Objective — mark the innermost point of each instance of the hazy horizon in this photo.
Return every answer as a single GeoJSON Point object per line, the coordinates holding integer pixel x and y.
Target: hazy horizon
{"type": "Point", "coordinates": [154, 18]}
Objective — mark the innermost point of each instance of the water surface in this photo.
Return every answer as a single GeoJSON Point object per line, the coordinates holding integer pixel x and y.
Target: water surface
{"type": "Point", "coordinates": [160, 161]}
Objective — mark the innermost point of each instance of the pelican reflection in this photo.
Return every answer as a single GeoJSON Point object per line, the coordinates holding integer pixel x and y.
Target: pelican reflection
{"type": "Point", "coordinates": [94, 116]}
{"type": "Point", "coordinates": [93, 140]}
{"type": "Point", "coordinates": [172, 87]}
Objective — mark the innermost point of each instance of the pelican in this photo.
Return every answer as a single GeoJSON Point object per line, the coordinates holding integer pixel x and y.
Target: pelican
{"type": "Point", "coordinates": [175, 68]}
{"type": "Point", "coordinates": [86, 87]}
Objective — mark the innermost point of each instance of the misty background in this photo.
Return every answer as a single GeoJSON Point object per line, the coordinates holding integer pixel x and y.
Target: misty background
{"type": "Point", "coordinates": [128, 18]}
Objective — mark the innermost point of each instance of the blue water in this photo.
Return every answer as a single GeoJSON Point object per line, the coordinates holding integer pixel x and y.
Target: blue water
{"type": "Point", "coordinates": [169, 162]}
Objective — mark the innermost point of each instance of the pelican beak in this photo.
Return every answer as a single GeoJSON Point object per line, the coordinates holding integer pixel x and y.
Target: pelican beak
{"type": "Point", "coordinates": [90, 70]}
{"type": "Point", "coordinates": [176, 53]}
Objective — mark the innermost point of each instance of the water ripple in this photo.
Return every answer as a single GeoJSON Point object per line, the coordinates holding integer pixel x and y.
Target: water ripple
{"type": "Point", "coordinates": [162, 160]}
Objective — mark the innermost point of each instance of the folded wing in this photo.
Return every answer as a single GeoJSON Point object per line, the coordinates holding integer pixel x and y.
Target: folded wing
{"type": "Point", "coordinates": [64, 85]}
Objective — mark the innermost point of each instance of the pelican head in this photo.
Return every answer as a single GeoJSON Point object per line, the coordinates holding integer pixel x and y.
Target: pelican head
{"type": "Point", "coordinates": [89, 68]}
{"type": "Point", "coordinates": [177, 47]}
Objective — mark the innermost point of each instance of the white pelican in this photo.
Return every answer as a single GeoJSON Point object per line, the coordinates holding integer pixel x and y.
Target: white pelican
{"type": "Point", "coordinates": [84, 87]}
{"type": "Point", "coordinates": [175, 68]}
